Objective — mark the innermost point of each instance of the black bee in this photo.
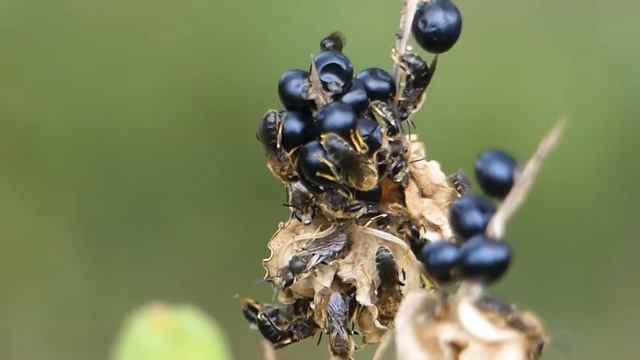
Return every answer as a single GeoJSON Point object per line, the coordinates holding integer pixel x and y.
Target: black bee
{"type": "Point", "coordinates": [335, 41]}
{"type": "Point", "coordinates": [418, 77]}
{"type": "Point", "coordinates": [412, 233]}
{"type": "Point", "coordinates": [337, 326]}
{"type": "Point", "coordinates": [278, 159]}
{"type": "Point", "coordinates": [392, 161]}
{"type": "Point", "coordinates": [301, 202]}
{"type": "Point", "coordinates": [356, 169]}
{"type": "Point", "coordinates": [461, 183]}
{"type": "Point", "coordinates": [284, 324]}
{"type": "Point", "coordinates": [524, 322]}
{"type": "Point", "coordinates": [319, 250]}
{"type": "Point", "coordinates": [383, 113]}
{"type": "Point", "coordinates": [388, 291]}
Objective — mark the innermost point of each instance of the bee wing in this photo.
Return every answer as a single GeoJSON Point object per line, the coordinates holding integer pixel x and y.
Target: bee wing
{"type": "Point", "coordinates": [323, 249]}
{"type": "Point", "coordinates": [337, 324]}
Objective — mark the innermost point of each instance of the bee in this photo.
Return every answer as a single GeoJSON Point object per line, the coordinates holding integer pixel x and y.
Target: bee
{"type": "Point", "coordinates": [418, 76]}
{"type": "Point", "coordinates": [525, 322]}
{"type": "Point", "coordinates": [336, 325]}
{"type": "Point", "coordinates": [301, 202]}
{"type": "Point", "coordinates": [461, 183]}
{"type": "Point", "coordinates": [335, 41]}
{"type": "Point", "coordinates": [392, 161]}
{"type": "Point", "coordinates": [355, 169]}
{"type": "Point", "coordinates": [388, 291]}
{"type": "Point", "coordinates": [412, 233]}
{"type": "Point", "coordinates": [284, 324]}
{"type": "Point", "coordinates": [279, 160]}
{"type": "Point", "coordinates": [383, 114]}
{"type": "Point", "coordinates": [319, 250]}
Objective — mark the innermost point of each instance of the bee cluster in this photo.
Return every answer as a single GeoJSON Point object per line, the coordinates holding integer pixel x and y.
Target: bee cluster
{"type": "Point", "coordinates": [372, 219]}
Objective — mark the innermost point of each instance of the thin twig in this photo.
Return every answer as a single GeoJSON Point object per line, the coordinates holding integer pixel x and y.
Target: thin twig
{"type": "Point", "coordinates": [268, 352]}
{"type": "Point", "coordinates": [518, 193]}
{"type": "Point", "coordinates": [406, 20]}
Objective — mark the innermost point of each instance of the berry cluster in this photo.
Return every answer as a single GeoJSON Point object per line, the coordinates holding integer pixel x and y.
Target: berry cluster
{"type": "Point", "coordinates": [478, 257]}
{"type": "Point", "coordinates": [340, 136]}
{"type": "Point", "coordinates": [371, 218]}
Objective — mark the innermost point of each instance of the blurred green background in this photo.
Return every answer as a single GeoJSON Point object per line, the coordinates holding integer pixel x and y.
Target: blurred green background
{"type": "Point", "coordinates": [129, 169]}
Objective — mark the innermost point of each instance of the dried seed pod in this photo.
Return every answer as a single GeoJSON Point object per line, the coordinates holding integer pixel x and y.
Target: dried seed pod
{"type": "Point", "coordinates": [436, 326]}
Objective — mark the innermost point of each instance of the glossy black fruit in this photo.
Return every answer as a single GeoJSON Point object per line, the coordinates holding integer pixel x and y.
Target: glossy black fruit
{"type": "Point", "coordinates": [313, 164]}
{"type": "Point", "coordinates": [335, 71]}
{"type": "Point", "coordinates": [298, 129]}
{"type": "Point", "coordinates": [338, 118]}
{"type": "Point", "coordinates": [378, 83]}
{"type": "Point", "coordinates": [371, 134]}
{"type": "Point", "coordinates": [437, 26]}
{"type": "Point", "coordinates": [356, 96]}
{"type": "Point", "coordinates": [440, 259]}
{"type": "Point", "coordinates": [292, 90]}
{"type": "Point", "coordinates": [484, 259]}
{"type": "Point", "coordinates": [470, 215]}
{"type": "Point", "coordinates": [495, 171]}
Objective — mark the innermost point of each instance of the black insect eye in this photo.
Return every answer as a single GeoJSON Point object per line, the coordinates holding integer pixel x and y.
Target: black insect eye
{"type": "Point", "coordinates": [314, 165]}
{"type": "Point", "coordinates": [440, 259]}
{"type": "Point", "coordinates": [484, 259]}
{"type": "Point", "coordinates": [286, 276]}
{"type": "Point", "coordinates": [335, 71]}
{"type": "Point", "coordinates": [338, 118]}
{"type": "Point", "coordinates": [292, 90]}
{"type": "Point", "coordinates": [495, 171]}
{"type": "Point", "coordinates": [378, 83]}
{"type": "Point", "coordinates": [298, 128]}
{"type": "Point", "coordinates": [470, 215]}
{"type": "Point", "coordinates": [356, 96]}
{"type": "Point", "coordinates": [437, 26]}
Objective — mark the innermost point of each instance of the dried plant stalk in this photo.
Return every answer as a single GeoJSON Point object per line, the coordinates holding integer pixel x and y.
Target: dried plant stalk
{"type": "Point", "coordinates": [403, 34]}
{"type": "Point", "coordinates": [518, 193]}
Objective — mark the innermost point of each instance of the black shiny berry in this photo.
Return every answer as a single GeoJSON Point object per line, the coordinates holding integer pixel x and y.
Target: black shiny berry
{"type": "Point", "coordinates": [470, 215]}
{"type": "Point", "coordinates": [335, 71]}
{"type": "Point", "coordinates": [292, 90]}
{"type": "Point", "coordinates": [312, 164]}
{"type": "Point", "coordinates": [338, 118]}
{"type": "Point", "coordinates": [440, 259]}
{"type": "Point", "coordinates": [484, 259]}
{"type": "Point", "coordinates": [370, 133]}
{"type": "Point", "coordinates": [437, 25]}
{"type": "Point", "coordinates": [297, 129]}
{"type": "Point", "coordinates": [495, 171]}
{"type": "Point", "coordinates": [356, 96]}
{"type": "Point", "coordinates": [378, 83]}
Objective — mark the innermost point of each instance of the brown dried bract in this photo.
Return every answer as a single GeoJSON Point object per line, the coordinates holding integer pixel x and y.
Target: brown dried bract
{"type": "Point", "coordinates": [428, 194]}
{"type": "Point", "coordinates": [434, 326]}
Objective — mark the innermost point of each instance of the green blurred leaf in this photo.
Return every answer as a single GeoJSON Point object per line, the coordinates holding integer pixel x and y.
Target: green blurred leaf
{"type": "Point", "coordinates": [170, 332]}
